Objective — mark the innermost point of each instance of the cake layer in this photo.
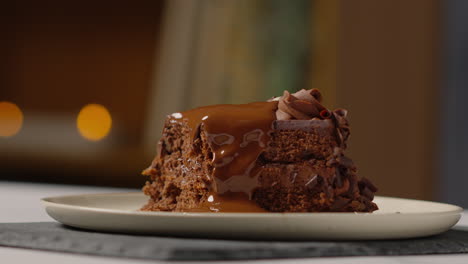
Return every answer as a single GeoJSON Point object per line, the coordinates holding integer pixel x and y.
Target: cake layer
{"type": "Point", "coordinates": [297, 140]}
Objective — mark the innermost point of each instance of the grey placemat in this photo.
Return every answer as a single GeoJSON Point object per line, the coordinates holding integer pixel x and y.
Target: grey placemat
{"type": "Point", "coordinates": [56, 237]}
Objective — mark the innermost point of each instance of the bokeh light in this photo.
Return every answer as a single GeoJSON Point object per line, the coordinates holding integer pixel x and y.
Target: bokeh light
{"type": "Point", "coordinates": [94, 122]}
{"type": "Point", "coordinates": [11, 119]}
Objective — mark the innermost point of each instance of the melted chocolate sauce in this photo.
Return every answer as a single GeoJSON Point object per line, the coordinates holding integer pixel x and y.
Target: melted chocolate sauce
{"type": "Point", "coordinates": [228, 202]}
{"type": "Point", "coordinates": [237, 135]}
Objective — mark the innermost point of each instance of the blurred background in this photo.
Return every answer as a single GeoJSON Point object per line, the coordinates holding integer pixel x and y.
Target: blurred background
{"type": "Point", "coordinates": [85, 85]}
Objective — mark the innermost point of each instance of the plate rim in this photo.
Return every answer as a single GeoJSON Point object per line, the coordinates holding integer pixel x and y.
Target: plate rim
{"type": "Point", "coordinates": [48, 201]}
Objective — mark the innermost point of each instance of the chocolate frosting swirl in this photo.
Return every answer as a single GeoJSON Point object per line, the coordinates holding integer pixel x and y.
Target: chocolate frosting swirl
{"type": "Point", "coordinates": [301, 105]}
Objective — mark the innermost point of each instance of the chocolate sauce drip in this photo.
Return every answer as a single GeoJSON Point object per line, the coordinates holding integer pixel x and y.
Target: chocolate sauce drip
{"type": "Point", "coordinates": [237, 135]}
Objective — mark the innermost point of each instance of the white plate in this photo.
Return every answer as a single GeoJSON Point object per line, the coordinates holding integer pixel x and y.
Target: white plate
{"type": "Point", "coordinates": [118, 212]}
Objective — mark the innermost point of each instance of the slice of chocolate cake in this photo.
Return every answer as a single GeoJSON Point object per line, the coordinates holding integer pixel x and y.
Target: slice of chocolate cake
{"type": "Point", "coordinates": [284, 155]}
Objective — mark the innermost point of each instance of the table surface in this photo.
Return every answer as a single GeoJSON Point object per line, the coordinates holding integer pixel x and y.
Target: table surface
{"type": "Point", "coordinates": [20, 202]}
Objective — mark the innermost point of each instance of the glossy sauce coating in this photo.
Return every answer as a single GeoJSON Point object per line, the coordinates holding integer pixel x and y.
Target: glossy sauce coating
{"type": "Point", "coordinates": [237, 135]}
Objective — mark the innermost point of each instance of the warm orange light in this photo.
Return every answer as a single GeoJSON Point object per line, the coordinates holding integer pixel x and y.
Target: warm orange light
{"type": "Point", "coordinates": [94, 122]}
{"type": "Point", "coordinates": [11, 119]}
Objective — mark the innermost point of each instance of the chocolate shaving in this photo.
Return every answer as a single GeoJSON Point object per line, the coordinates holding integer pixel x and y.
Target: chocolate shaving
{"type": "Point", "coordinates": [285, 105]}
{"type": "Point", "coordinates": [305, 95]}
{"type": "Point", "coordinates": [364, 182]}
{"type": "Point", "coordinates": [346, 162]}
{"type": "Point", "coordinates": [316, 94]}
{"type": "Point", "coordinates": [367, 193]}
{"type": "Point", "coordinates": [325, 114]}
{"type": "Point", "coordinates": [280, 115]}
{"type": "Point", "coordinates": [305, 107]}
{"type": "Point", "coordinates": [312, 181]}
{"type": "Point", "coordinates": [342, 126]}
{"type": "Point", "coordinates": [344, 189]}
{"type": "Point", "coordinates": [352, 187]}
{"type": "Point", "coordinates": [338, 178]}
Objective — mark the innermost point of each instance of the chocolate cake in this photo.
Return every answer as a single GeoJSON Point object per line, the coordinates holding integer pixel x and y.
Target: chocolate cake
{"type": "Point", "coordinates": [283, 155]}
